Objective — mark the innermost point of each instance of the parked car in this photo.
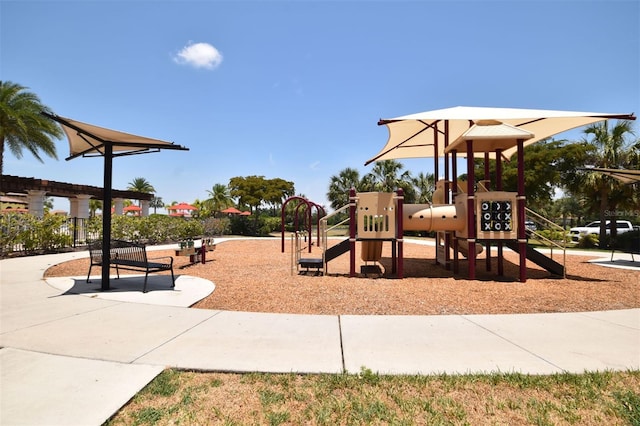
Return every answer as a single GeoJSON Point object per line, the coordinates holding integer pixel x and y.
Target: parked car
{"type": "Point", "coordinates": [530, 225]}
{"type": "Point", "coordinates": [594, 228]}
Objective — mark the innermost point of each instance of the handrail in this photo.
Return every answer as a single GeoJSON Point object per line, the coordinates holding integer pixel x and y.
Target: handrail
{"type": "Point", "coordinates": [297, 248]}
{"type": "Point", "coordinates": [548, 242]}
{"type": "Point", "coordinates": [324, 222]}
{"type": "Point", "coordinates": [325, 232]}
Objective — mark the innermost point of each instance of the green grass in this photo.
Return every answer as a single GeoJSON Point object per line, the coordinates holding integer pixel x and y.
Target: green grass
{"type": "Point", "coordinates": [176, 397]}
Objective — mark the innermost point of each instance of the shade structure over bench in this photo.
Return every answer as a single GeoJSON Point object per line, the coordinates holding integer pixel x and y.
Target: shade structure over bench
{"type": "Point", "coordinates": [88, 140]}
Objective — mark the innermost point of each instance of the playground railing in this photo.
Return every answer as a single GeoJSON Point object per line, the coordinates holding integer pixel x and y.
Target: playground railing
{"type": "Point", "coordinates": [325, 229]}
{"type": "Point", "coordinates": [299, 243]}
{"type": "Point", "coordinates": [324, 225]}
{"type": "Point", "coordinates": [538, 219]}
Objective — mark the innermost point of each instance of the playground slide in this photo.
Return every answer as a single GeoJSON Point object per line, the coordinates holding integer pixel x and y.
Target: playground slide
{"type": "Point", "coordinates": [463, 248]}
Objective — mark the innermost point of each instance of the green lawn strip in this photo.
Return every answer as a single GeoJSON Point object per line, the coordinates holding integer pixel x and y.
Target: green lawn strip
{"type": "Point", "coordinates": [183, 397]}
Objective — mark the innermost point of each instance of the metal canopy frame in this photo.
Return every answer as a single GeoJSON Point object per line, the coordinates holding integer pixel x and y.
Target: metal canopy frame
{"type": "Point", "coordinates": [104, 147]}
{"type": "Point", "coordinates": [627, 177]}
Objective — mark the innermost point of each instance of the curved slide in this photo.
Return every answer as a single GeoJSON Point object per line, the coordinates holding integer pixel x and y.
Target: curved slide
{"type": "Point", "coordinates": [463, 248]}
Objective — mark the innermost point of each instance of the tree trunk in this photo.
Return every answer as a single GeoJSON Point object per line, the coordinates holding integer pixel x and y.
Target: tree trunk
{"type": "Point", "coordinates": [1, 162]}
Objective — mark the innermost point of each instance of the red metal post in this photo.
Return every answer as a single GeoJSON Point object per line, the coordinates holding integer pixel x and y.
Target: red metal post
{"type": "Point", "coordinates": [400, 233]}
{"type": "Point", "coordinates": [454, 192]}
{"type": "Point", "coordinates": [471, 207]}
{"type": "Point", "coordinates": [352, 232]}
{"type": "Point", "coordinates": [309, 224]}
{"type": "Point", "coordinates": [522, 238]}
{"type": "Point", "coordinates": [447, 198]}
{"type": "Point", "coordinates": [487, 177]}
{"type": "Point", "coordinates": [499, 188]}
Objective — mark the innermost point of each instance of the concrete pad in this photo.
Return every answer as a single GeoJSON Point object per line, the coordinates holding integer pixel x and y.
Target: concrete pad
{"type": "Point", "coordinates": [128, 288]}
{"type": "Point", "coordinates": [246, 342]}
{"type": "Point", "coordinates": [121, 332]}
{"type": "Point", "coordinates": [21, 312]}
{"type": "Point", "coordinates": [41, 389]}
{"type": "Point", "coordinates": [574, 342]}
{"type": "Point", "coordinates": [628, 262]}
{"type": "Point", "coordinates": [431, 345]}
{"type": "Point", "coordinates": [624, 317]}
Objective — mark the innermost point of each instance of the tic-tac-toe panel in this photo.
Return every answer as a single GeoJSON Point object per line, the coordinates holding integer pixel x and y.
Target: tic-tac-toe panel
{"type": "Point", "coordinates": [496, 214]}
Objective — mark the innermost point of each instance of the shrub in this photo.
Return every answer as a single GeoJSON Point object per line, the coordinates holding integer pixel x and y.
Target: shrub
{"type": "Point", "coordinates": [28, 233]}
{"type": "Point", "coordinates": [214, 226]}
{"type": "Point", "coordinates": [190, 228]}
{"type": "Point", "coordinates": [125, 228]}
{"type": "Point", "coordinates": [588, 241]}
{"type": "Point", "coordinates": [11, 226]}
{"type": "Point", "coordinates": [626, 241]}
{"type": "Point", "coordinates": [552, 234]}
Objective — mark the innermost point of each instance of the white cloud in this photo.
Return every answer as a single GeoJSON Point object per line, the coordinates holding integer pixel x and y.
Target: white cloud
{"type": "Point", "coordinates": [199, 55]}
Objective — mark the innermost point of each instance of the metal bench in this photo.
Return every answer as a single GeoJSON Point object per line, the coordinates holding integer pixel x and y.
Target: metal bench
{"type": "Point", "coordinates": [130, 256]}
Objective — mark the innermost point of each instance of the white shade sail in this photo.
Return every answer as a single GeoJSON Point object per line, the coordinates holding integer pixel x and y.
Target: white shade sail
{"type": "Point", "coordinates": [416, 135]}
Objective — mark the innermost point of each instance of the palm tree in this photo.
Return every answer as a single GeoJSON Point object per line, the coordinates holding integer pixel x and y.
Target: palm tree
{"type": "Point", "coordinates": [424, 185]}
{"type": "Point", "coordinates": [339, 186]}
{"type": "Point", "coordinates": [219, 198]}
{"type": "Point", "coordinates": [22, 126]}
{"type": "Point", "coordinates": [610, 149]}
{"type": "Point", "coordinates": [156, 203]}
{"type": "Point", "coordinates": [140, 184]}
{"type": "Point", "coordinates": [388, 176]}
{"type": "Point", "coordinates": [93, 206]}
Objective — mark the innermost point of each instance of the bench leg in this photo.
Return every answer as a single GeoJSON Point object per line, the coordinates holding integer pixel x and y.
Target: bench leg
{"type": "Point", "coordinates": [144, 287]}
{"type": "Point", "coordinates": [173, 279]}
{"type": "Point", "coordinates": [89, 274]}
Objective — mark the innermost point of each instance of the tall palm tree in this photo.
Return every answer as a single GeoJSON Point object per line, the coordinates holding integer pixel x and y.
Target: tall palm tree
{"type": "Point", "coordinates": [156, 203]}
{"type": "Point", "coordinates": [611, 148]}
{"type": "Point", "coordinates": [22, 126]}
{"type": "Point", "coordinates": [140, 184]}
{"type": "Point", "coordinates": [388, 175]}
{"type": "Point", "coordinates": [339, 186]}
{"type": "Point", "coordinates": [424, 185]}
{"type": "Point", "coordinates": [93, 206]}
{"type": "Point", "coordinates": [219, 198]}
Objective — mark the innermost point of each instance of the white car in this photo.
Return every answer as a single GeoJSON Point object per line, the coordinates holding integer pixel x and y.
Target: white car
{"type": "Point", "coordinates": [594, 228]}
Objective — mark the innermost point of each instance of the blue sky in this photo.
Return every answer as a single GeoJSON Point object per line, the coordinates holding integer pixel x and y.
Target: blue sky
{"type": "Point", "coordinates": [294, 89]}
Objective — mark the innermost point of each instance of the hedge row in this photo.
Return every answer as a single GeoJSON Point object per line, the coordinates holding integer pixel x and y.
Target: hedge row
{"type": "Point", "coordinates": [28, 234]}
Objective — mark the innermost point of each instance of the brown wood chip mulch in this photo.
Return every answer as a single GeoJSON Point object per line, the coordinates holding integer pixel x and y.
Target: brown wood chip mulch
{"type": "Point", "coordinates": [254, 275]}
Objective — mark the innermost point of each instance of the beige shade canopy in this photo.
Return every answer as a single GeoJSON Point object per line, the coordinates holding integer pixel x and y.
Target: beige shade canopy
{"type": "Point", "coordinates": [489, 136]}
{"type": "Point", "coordinates": [89, 140]}
{"type": "Point", "coordinates": [413, 136]}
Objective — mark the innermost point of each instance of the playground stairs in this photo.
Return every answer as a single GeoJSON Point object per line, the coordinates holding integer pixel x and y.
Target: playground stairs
{"type": "Point", "coordinates": [538, 258]}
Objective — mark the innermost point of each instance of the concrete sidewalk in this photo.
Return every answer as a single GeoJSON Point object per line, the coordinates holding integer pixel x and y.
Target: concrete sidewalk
{"type": "Point", "coordinates": [75, 357]}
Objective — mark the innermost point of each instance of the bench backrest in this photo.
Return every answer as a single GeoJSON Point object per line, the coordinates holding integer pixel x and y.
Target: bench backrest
{"type": "Point", "coordinates": [95, 252]}
{"type": "Point", "coordinates": [124, 250]}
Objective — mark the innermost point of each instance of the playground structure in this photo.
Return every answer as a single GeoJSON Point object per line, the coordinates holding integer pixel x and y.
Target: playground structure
{"type": "Point", "coordinates": [469, 217]}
